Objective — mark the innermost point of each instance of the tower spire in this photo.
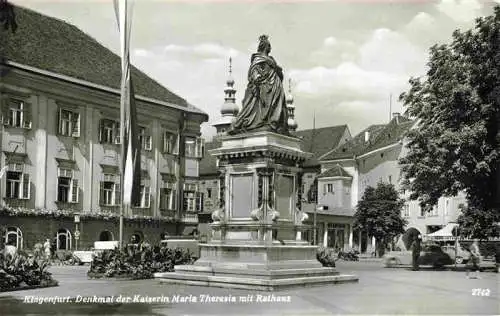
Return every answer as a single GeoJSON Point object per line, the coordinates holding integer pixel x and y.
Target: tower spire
{"type": "Point", "coordinates": [229, 109]}
{"type": "Point", "coordinates": [292, 125]}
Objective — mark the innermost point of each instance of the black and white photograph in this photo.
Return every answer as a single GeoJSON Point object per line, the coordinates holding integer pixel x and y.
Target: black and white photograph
{"type": "Point", "coordinates": [249, 157]}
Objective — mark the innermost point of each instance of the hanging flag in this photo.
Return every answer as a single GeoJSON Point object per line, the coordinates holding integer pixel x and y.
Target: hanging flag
{"type": "Point", "coordinates": [131, 148]}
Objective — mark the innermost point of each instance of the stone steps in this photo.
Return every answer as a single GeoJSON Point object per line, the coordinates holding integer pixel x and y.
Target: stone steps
{"type": "Point", "coordinates": [252, 283]}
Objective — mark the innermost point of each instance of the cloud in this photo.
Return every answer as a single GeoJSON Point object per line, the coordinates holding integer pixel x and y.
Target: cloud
{"type": "Point", "coordinates": [196, 72]}
{"type": "Point", "coordinates": [424, 30]}
{"type": "Point", "coordinates": [380, 66]}
{"type": "Point", "coordinates": [423, 21]}
{"type": "Point", "coordinates": [347, 81]}
{"type": "Point", "coordinates": [461, 11]}
{"type": "Point", "coordinates": [357, 90]}
{"type": "Point", "coordinates": [141, 52]}
{"type": "Point", "coordinates": [332, 51]}
{"type": "Point", "coordinates": [330, 41]}
{"type": "Point", "coordinates": [389, 51]}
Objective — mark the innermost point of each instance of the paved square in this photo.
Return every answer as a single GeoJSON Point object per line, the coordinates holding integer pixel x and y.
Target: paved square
{"type": "Point", "coordinates": [379, 291]}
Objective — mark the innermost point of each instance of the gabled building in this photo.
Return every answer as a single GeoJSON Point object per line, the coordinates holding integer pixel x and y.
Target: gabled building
{"type": "Point", "coordinates": [60, 142]}
{"type": "Point", "coordinates": [370, 157]}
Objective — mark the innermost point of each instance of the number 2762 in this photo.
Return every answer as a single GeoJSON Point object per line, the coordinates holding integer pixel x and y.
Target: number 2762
{"type": "Point", "coordinates": [481, 292]}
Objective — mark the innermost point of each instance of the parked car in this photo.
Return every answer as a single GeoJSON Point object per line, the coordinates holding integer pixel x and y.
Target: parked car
{"type": "Point", "coordinates": [462, 256]}
{"type": "Point", "coordinates": [431, 255]}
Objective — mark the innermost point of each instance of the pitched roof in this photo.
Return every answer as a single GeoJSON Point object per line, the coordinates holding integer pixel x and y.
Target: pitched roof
{"type": "Point", "coordinates": [54, 45]}
{"type": "Point", "coordinates": [379, 136]}
{"type": "Point", "coordinates": [355, 146]}
{"type": "Point", "coordinates": [208, 164]}
{"type": "Point", "coordinates": [336, 171]}
{"type": "Point", "coordinates": [392, 133]}
{"type": "Point", "coordinates": [320, 140]}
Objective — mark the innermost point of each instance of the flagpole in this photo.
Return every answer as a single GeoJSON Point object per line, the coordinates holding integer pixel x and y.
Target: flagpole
{"type": "Point", "coordinates": [130, 146]}
{"type": "Point", "coordinates": [122, 25]}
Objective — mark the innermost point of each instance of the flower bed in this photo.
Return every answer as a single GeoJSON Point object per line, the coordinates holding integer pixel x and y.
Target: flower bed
{"type": "Point", "coordinates": [19, 272]}
{"type": "Point", "coordinates": [133, 263]}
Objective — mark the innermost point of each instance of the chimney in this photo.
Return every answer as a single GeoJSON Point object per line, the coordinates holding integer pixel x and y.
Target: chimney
{"type": "Point", "coordinates": [367, 137]}
{"type": "Point", "coordinates": [396, 115]}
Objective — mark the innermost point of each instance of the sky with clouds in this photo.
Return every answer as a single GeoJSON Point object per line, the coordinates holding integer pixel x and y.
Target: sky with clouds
{"type": "Point", "coordinates": [345, 58]}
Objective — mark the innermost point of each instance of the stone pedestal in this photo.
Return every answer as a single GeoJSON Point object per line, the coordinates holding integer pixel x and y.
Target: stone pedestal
{"type": "Point", "coordinates": [254, 243]}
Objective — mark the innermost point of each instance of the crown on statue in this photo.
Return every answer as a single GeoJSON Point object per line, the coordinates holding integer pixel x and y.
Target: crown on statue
{"type": "Point", "coordinates": [263, 38]}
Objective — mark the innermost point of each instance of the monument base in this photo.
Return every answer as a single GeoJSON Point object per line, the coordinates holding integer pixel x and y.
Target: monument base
{"type": "Point", "coordinates": [255, 267]}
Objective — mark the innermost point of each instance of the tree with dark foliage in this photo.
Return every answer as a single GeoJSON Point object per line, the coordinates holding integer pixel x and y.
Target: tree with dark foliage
{"type": "Point", "coordinates": [456, 147]}
{"type": "Point", "coordinates": [379, 214]}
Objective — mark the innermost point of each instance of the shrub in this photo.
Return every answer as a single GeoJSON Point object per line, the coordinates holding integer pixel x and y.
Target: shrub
{"type": "Point", "coordinates": [138, 263]}
{"type": "Point", "coordinates": [326, 257]}
{"type": "Point", "coordinates": [20, 271]}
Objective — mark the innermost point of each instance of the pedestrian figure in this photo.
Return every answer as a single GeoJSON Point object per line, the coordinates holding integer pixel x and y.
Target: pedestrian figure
{"type": "Point", "coordinates": [475, 257]}
{"type": "Point", "coordinates": [10, 249]}
{"type": "Point", "coordinates": [46, 247]}
{"type": "Point", "coordinates": [38, 250]}
{"type": "Point", "coordinates": [416, 248]}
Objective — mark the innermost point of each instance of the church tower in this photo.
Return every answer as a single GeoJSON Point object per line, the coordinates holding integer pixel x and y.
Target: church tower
{"type": "Point", "coordinates": [229, 109]}
{"type": "Point", "coordinates": [292, 124]}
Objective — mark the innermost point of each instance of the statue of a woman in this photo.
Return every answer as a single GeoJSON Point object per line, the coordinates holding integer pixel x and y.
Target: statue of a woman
{"type": "Point", "coordinates": [263, 106]}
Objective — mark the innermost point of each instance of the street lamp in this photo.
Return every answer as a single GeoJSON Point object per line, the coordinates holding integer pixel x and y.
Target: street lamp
{"type": "Point", "coordinates": [77, 232]}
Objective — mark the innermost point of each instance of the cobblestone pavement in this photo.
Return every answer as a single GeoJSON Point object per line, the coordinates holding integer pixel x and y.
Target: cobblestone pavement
{"type": "Point", "coordinates": [379, 291]}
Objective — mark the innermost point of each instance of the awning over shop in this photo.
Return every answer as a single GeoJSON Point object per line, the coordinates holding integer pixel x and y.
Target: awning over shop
{"type": "Point", "coordinates": [445, 233]}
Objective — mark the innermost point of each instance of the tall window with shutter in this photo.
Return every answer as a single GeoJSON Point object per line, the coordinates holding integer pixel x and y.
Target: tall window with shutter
{"type": "Point", "coordinates": [190, 147]}
{"type": "Point", "coordinates": [145, 139]}
{"type": "Point", "coordinates": [109, 132]}
{"type": "Point", "coordinates": [170, 143]}
{"type": "Point", "coordinates": [16, 113]}
{"type": "Point", "coordinates": [191, 198]}
{"type": "Point", "coordinates": [194, 147]}
{"type": "Point", "coordinates": [109, 194]}
{"type": "Point", "coordinates": [67, 186]}
{"type": "Point", "coordinates": [168, 196]}
{"type": "Point", "coordinates": [406, 210]}
{"type": "Point", "coordinates": [17, 182]}
{"type": "Point", "coordinates": [69, 123]}
{"type": "Point", "coordinates": [199, 201]}
{"type": "Point", "coordinates": [145, 201]}
{"type": "Point", "coordinates": [200, 147]}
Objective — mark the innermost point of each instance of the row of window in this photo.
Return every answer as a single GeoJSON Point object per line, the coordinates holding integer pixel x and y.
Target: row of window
{"type": "Point", "coordinates": [18, 115]}
{"type": "Point", "coordinates": [329, 188]}
{"type": "Point", "coordinates": [433, 212]}
{"type": "Point", "coordinates": [18, 186]}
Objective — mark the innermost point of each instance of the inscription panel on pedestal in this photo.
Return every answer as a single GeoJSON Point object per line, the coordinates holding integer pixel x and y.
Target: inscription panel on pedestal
{"type": "Point", "coordinates": [284, 195]}
{"type": "Point", "coordinates": [241, 191]}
